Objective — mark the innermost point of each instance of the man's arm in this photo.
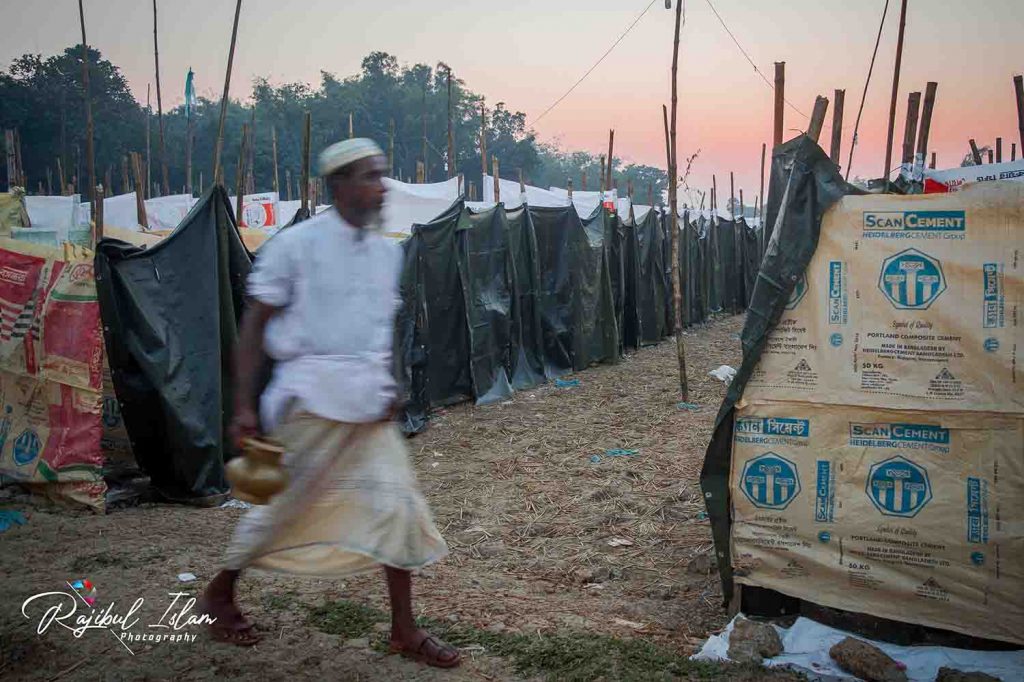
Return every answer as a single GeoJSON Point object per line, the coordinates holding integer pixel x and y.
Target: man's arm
{"type": "Point", "coordinates": [249, 359]}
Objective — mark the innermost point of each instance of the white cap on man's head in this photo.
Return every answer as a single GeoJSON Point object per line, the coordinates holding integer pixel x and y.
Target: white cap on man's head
{"type": "Point", "coordinates": [341, 154]}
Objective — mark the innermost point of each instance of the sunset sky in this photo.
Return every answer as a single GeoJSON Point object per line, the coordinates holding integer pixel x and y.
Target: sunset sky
{"type": "Point", "coordinates": [528, 53]}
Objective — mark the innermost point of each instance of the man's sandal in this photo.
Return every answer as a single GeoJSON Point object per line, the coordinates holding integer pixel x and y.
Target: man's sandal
{"type": "Point", "coordinates": [430, 651]}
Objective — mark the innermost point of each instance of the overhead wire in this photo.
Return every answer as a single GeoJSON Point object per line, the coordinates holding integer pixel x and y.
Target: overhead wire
{"type": "Point", "coordinates": [756, 70]}
{"type": "Point", "coordinates": [596, 64]}
{"type": "Point", "coordinates": [863, 97]}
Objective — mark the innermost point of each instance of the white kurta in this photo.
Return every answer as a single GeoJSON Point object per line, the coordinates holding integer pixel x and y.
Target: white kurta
{"type": "Point", "coordinates": [337, 287]}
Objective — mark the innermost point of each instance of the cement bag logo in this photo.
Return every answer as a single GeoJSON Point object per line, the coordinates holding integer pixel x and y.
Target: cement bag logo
{"type": "Point", "coordinates": [770, 481]}
{"type": "Point", "coordinates": [26, 447]}
{"type": "Point", "coordinates": [771, 430]}
{"type": "Point", "coordinates": [994, 305]}
{"type": "Point", "coordinates": [799, 291]}
{"type": "Point", "coordinates": [898, 487]}
{"type": "Point", "coordinates": [900, 436]}
{"type": "Point", "coordinates": [917, 224]}
{"type": "Point", "coordinates": [911, 280]}
{"type": "Point", "coordinates": [837, 303]}
{"type": "Point", "coordinates": [824, 493]}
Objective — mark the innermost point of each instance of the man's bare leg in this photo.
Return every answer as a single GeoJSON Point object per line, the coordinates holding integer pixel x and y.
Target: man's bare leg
{"type": "Point", "coordinates": [406, 638]}
{"type": "Point", "coordinates": [218, 601]}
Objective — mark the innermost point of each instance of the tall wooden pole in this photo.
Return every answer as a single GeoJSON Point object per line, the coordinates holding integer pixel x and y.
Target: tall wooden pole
{"type": "Point", "coordinates": [732, 195]}
{"type": "Point", "coordinates": [189, 141]}
{"type": "Point", "coordinates": [49, 176]}
{"type": "Point", "coordinates": [250, 154]}
{"type": "Point", "coordinates": [932, 164]}
{"type": "Point", "coordinates": [160, 108]}
{"type": "Point", "coordinates": [611, 151]}
{"type": "Point", "coordinates": [999, 150]}
{"type": "Point", "coordinates": [98, 218]}
{"type": "Point", "coordinates": [837, 125]}
{"type": "Point", "coordinates": [925, 128]}
{"type": "Point", "coordinates": [817, 118]}
{"type": "Point", "coordinates": [895, 92]}
{"type": "Point", "coordinates": [673, 200]}
{"type": "Point", "coordinates": [90, 159]}
{"type": "Point", "coordinates": [273, 146]}
{"type": "Point", "coordinates": [496, 172]}
{"type": "Point", "coordinates": [990, 159]}
{"type": "Point", "coordinates": [1018, 87]}
{"type": "Point", "coordinates": [1013, 157]}
{"type": "Point", "coordinates": [760, 194]}
{"type": "Point", "coordinates": [780, 102]}
{"type": "Point", "coordinates": [424, 121]}
{"type": "Point", "coordinates": [288, 182]}
{"type": "Point", "coordinates": [61, 178]}
{"type": "Point", "coordinates": [975, 153]}
{"type": "Point", "coordinates": [149, 137]}
{"type": "Point", "coordinates": [568, 188]}
{"type": "Point", "coordinates": [12, 165]}
{"type": "Point", "coordinates": [483, 142]}
{"type": "Point", "coordinates": [351, 126]}
{"type": "Point", "coordinates": [910, 129]}
{"type": "Point", "coordinates": [140, 203]}
{"type": "Point", "coordinates": [307, 129]}
{"type": "Point", "coordinates": [603, 178]}
{"type": "Point", "coordinates": [451, 134]}
{"type": "Point", "coordinates": [218, 172]}
{"type": "Point", "coordinates": [240, 175]}
{"type": "Point", "coordinates": [391, 148]}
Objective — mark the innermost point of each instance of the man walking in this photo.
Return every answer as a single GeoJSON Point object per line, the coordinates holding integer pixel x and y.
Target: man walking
{"type": "Point", "coordinates": [322, 297]}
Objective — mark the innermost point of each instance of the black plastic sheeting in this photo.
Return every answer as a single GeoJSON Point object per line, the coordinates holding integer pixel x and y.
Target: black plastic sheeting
{"type": "Point", "coordinates": [492, 302]}
{"type": "Point", "coordinates": [170, 315]}
{"type": "Point", "coordinates": [804, 184]}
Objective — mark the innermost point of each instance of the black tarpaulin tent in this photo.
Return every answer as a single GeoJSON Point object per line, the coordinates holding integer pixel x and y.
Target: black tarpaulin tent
{"type": "Point", "coordinates": [170, 316]}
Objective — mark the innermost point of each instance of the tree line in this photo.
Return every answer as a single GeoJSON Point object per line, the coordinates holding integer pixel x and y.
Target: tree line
{"type": "Point", "coordinates": [42, 99]}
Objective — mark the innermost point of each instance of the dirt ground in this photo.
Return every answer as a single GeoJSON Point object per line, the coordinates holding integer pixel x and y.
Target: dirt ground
{"type": "Point", "coordinates": [548, 532]}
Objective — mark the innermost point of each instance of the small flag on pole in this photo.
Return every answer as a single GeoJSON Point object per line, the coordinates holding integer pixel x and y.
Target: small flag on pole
{"type": "Point", "coordinates": [190, 94]}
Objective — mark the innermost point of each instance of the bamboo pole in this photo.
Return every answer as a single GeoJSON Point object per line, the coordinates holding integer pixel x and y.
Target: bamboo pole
{"type": "Point", "coordinates": [189, 142]}
{"type": "Point", "coordinates": [90, 159]}
{"type": "Point", "coordinates": [732, 195]}
{"type": "Point", "coordinates": [483, 141]}
{"type": "Point", "coordinates": [1013, 157]}
{"type": "Point", "coordinates": [49, 179]}
{"type": "Point", "coordinates": [288, 182]}
{"type": "Point", "coordinates": [1018, 87]}
{"type": "Point", "coordinates": [583, 180]}
{"type": "Point", "coordinates": [999, 150]}
{"type": "Point", "coordinates": [140, 202]}
{"type": "Point", "coordinates": [932, 165]}
{"type": "Point", "coordinates": [12, 165]}
{"type": "Point", "coordinates": [108, 178]}
{"type": "Point", "coordinates": [895, 92]}
{"type": "Point", "coordinates": [522, 185]}
{"type": "Point", "coordinates": [149, 117]}
{"type": "Point", "coordinates": [273, 145]}
{"type": "Point", "coordinates": [497, 180]}
{"type": "Point", "coordinates": [910, 128]}
{"type": "Point", "coordinates": [837, 125]}
{"type": "Point", "coordinates": [19, 167]}
{"type": "Point", "coordinates": [240, 175]}
{"type": "Point", "coordinates": [420, 172]}
{"type": "Point", "coordinates": [975, 154]}
{"type": "Point", "coordinates": [160, 108]}
{"type": "Point", "coordinates": [568, 187]}
{"type": "Point", "coordinates": [97, 234]}
{"type": "Point", "coordinates": [817, 118]}
{"type": "Point", "coordinates": [603, 178]}
{"type": "Point", "coordinates": [125, 181]}
{"type": "Point", "coordinates": [451, 134]}
{"type": "Point", "coordinates": [218, 172]}
{"type": "Point", "coordinates": [472, 191]}
{"type": "Point", "coordinates": [61, 178]}
{"type": "Point", "coordinates": [926, 126]}
{"type": "Point", "coordinates": [780, 103]}
{"type": "Point", "coordinates": [307, 129]}
{"type": "Point", "coordinates": [760, 194]}
{"type": "Point", "coordinates": [391, 148]}
{"type": "Point", "coordinates": [250, 154]}
{"type": "Point", "coordinates": [424, 122]}
{"type": "Point", "coordinates": [990, 160]}
{"type": "Point", "coordinates": [714, 193]}
{"type": "Point", "coordinates": [678, 295]}
{"type": "Point", "coordinates": [611, 148]}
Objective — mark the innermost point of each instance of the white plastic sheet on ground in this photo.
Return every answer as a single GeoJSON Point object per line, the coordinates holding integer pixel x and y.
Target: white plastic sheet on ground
{"type": "Point", "coordinates": [807, 643]}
